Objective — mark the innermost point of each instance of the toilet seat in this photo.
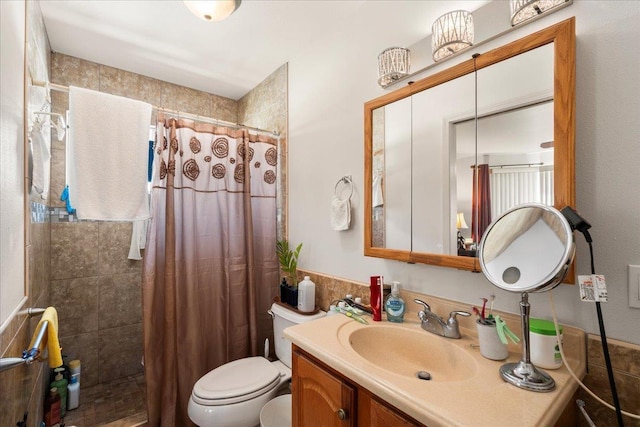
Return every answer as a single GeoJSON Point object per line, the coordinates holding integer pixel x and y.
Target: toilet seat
{"type": "Point", "coordinates": [236, 381]}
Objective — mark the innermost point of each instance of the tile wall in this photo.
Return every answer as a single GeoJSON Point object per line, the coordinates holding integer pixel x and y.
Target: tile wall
{"type": "Point", "coordinates": [94, 286]}
{"type": "Point", "coordinates": [625, 358]}
{"type": "Point", "coordinates": [23, 387]}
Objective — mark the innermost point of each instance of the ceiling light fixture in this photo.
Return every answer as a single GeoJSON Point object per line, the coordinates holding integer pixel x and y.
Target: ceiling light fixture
{"type": "Point", "coordinates": [393, 64]}
{"type": "Point", "coordinates": [212, 11]}
{"type": "Point", "coordinates": [523, 10]}
{"type": "Point", "coordinates": [451, 33]}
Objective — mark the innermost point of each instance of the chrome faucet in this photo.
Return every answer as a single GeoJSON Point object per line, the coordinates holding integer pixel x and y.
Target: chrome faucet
{"type": "Point", "coordinates": [433, 323]}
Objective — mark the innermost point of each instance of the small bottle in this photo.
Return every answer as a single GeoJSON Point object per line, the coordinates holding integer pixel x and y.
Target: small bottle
{"type": "Point", "coordinates": [395, 305]}
{"type": "Point", "coordinates": [306, 295]}
{"type": "Point", "coordinates": [73, 392]}
{"type": "Point", "coordinates": [75, 368]}
{"type": "Point", "coordinates": [60, 383]}
{"type": "Point", "coordinates": [52, 408]}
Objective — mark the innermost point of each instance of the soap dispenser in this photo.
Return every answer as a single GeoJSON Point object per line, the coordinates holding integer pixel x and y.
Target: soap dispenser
{"type": "Point", "coordinates": [395, 306]}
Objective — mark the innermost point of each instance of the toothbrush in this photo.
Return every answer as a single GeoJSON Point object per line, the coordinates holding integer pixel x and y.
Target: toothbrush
{"type": "Point", "coordinates": [353, 316]}
{"type": "Point", "coordinates": [484, 304]}
{"type": "Point", "coordinates": [492, 298]}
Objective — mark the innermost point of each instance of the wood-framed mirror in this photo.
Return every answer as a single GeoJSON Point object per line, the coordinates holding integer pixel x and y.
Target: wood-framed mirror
{"type": "Point", "coordinates": [405, 158]}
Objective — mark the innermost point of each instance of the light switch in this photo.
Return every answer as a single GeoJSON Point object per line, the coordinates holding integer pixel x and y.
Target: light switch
{"type": "Point", "coordinates": [634, 286]}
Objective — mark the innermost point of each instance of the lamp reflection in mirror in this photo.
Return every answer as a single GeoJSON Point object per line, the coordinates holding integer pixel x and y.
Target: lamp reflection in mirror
{"type": "Point", "coordinates": [461, 224]}
{"type": "Point", "coordinates": [523, 10]}
{"type": "Point", "coordinates": [214, 10]}
{"type": "Point", "coordinates": [393, 64]}
{"type": "Point", "coordinates": [451, 33]}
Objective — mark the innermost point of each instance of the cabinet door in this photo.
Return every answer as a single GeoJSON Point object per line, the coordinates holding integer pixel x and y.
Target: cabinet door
{"type": "Point", "coordinates": [320, 399]}
{"type": "Point", "coordinates": [374, 413]}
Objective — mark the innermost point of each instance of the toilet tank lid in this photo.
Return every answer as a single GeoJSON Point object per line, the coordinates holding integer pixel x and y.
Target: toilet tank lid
{"type": "Point", "coordinates": [295, 316]}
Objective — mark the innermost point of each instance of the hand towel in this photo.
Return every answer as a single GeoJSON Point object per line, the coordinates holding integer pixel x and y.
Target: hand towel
{"type": "Point", "coordinates": [108, 156]}
{"type": "Point", "coordinates": [41, 156]}
{"type": "Point", "coordinates": [138, 239]}
{"type": "Point", "coordinates": [50, 339]}
{"type": "Point", "coordinates": [340, 213]}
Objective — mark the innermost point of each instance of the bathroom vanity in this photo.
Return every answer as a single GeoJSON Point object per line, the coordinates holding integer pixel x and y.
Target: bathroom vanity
{"type": "Point", "coordinates": [350, 374]}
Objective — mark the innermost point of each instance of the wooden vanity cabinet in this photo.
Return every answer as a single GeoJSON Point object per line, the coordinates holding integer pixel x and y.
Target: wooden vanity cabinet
{"type": "Point", "coordinates": [323, 398]}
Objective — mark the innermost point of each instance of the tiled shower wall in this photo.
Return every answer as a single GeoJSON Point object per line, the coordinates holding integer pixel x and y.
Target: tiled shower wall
{"type": "Point", "coordinates": [94, 286]}
{"type": "Point", "coordinates": [24, 386]}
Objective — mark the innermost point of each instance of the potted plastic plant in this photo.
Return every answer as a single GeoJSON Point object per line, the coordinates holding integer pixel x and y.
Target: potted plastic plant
{"type": "Point", "coordinates": [288, 259]}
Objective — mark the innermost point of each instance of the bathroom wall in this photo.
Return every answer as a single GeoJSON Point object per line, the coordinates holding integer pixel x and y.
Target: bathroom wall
{"type": "Point", "coordinates": [24, 386]}
{"type": "Point", "coordinates": [326, 142]}
{"type": "Point", "coordinates": [95, 288]}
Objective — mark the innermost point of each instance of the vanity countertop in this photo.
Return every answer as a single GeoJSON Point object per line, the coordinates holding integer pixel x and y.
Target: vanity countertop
{"type": "Point", "coordinates": [483, 399]}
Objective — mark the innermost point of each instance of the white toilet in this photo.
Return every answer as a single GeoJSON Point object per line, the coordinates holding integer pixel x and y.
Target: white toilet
{"type": "Point", "coordinates": [235, 394]}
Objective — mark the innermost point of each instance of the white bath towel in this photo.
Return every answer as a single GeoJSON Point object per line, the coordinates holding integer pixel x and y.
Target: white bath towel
{"type": "Point", "coordinates": [108, 156]}
{"type": "Point", "coordinates": [41, 155]}
{"type": "Point", "coordinates": [340, 213]}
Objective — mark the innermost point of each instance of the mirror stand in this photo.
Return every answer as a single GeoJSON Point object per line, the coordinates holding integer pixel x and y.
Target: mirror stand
{"type": "Point", "coordinates": [524, 374]}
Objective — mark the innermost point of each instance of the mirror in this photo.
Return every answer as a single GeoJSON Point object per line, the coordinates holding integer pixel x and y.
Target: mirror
{"type": "Point", "coordinates": [528, 249]}
{"type": "Point", "coordinates": [421, 151]}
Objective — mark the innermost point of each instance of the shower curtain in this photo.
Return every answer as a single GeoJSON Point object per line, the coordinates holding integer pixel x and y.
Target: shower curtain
{"type": "Point", "coordinates": [210, 268]}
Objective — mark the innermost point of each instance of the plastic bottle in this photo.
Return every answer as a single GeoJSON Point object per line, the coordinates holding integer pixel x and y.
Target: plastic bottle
{"type": "Point", "coordinates": [73, 392]}
{"type": "Point", "coordinates": [52, 408]}
{"type": "Point", "coordinates": [375, 289]}
{"type": "Point", "coordinates": [306, 295]}
{"type": "Point", "coordinates": [395, 305]}
{"type": "Point", "coordinates": [74, 369]}
{"type": "Point", "coordinates": [61, 384]}
{"type": "Point", "coordinates": [545, 352]}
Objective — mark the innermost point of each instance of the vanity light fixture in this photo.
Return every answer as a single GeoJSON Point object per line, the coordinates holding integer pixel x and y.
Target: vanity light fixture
{"type": "Point", "coordinates": [451, 33]}
{"type": "Point", "coordinates": [213, 10]}
{"type": "Point", "coordinates": [393, 64]}
{"type": "Point", "coordinates": [524, 10]}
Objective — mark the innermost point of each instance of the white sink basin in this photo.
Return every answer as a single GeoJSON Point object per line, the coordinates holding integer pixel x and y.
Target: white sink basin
{"type": "Point", "coordinates": [406, 352]}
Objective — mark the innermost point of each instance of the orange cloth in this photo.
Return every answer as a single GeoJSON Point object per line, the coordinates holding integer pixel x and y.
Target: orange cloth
{"type": "Point", "coordinates": [50, 339]}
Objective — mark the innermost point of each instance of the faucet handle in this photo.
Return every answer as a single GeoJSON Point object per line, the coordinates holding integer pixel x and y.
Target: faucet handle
{"type": "Point", "coordinates": [426, 306]}
{"type": "Point", "coordinates": [453, 314]}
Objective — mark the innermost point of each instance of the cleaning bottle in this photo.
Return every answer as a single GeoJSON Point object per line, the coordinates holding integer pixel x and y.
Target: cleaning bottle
{"type": "Point", "coordinates": [73, 392]}
{"type": "Point", "coordinates": [395, 306]}
{"type": "Point", "coordinates": [306, 295]}
{"type": "Point", "coordinates": [52, 408]}
{"type": "Point", "coordinates": [60, 383]}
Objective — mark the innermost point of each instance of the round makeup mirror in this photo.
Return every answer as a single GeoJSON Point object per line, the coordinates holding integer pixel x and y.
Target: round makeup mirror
{"type": "Point", "coordinates": [529, 248]}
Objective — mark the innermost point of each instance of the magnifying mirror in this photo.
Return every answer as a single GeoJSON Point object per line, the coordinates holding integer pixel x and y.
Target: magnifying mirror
{"type": "Point", "coordinates": [529, 248]}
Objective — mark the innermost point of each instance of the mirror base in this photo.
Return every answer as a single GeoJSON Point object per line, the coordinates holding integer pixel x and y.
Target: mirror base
{"type": "Point", "coordinates": [526, 376]}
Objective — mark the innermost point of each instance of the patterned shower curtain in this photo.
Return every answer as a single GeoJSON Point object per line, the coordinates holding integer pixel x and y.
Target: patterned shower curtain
{"type": "Point", "coordinates": [210, 268]}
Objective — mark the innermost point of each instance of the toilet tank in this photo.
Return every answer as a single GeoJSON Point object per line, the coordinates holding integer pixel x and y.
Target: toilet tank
{"type": "Point", "coordinates": [283, 318]}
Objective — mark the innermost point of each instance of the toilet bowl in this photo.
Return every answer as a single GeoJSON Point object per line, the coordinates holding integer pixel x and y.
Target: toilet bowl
{"type": "Point", "coordinates": [234, 394]}
{"type": "Point", "coordinates": [277, 412]}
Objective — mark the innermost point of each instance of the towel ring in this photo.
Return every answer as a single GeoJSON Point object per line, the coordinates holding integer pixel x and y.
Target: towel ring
{"type": "Point", "coordinates": [346, 180]}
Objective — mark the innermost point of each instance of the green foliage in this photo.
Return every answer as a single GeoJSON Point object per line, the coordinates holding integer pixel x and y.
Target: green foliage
{"type": "Point", "coordinates": [288, 260]}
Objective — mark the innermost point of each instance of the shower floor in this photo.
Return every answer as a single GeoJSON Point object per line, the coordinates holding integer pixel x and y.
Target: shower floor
{"type": "Point", "coordinates": [120, 403]}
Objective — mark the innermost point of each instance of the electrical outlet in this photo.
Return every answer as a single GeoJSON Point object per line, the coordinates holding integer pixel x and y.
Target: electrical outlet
{"type": "Point", "coordinates": [634, 286]}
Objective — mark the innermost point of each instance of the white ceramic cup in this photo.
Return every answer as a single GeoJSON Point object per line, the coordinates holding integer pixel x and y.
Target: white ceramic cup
{"type": "Point", "coordinates": [490, 345]}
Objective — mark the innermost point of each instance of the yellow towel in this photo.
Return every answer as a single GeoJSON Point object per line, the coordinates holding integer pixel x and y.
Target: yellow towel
{"type": "Point", "coordinates": [50, 339]}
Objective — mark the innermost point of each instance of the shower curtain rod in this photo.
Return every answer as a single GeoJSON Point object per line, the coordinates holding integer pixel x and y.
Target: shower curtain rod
{"type": "Point", "coordinates": [177, 113]}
